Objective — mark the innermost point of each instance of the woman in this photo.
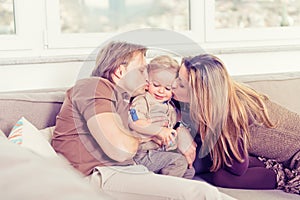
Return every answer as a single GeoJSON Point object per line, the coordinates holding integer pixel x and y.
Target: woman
{"type": "Point", "coordinates": [231, 118]}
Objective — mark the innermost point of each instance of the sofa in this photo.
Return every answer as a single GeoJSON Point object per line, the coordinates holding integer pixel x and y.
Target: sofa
{"type": "Point", "coordinates": [25, 174]}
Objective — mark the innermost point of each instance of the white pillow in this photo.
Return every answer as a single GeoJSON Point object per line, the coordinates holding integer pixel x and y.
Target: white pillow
{"type": "Point", "coordinates": [47, 133]}
{"type": "Point", "coordinates": [2, 135]}
{"type": "Point", "coordinates": [28, 136]}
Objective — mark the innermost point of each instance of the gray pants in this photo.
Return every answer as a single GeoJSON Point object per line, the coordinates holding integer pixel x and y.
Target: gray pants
{"type": "Point", "coordinates": [165, 162]}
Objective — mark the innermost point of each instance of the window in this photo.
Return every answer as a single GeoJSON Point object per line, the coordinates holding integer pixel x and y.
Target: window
{"type": "Point", "coordinates": [256, 14]}
{"type": "Point", "coordinates": [63, 27]}
{"type": "Point", "coordinates": [271, 22]}
{"type": "Point", "coordinates": [15, 31]}
{"type": "Point", "coordinates": [90, 16]}
{"type": "Point", "coordinates": [7, 22]}
{"type": "Point", "coordinates": [48, 37]}
{"type": "Point", "coordinates": [82, 22]}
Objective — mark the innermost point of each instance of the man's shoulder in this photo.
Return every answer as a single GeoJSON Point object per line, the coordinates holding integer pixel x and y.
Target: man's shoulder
{"type": "Point", "coordinates": [93, 81]}
{"type": "Point", "coordinates": [91, 86]}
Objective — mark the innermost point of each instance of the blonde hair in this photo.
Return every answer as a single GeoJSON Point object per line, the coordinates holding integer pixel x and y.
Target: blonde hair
{"type": "Point", "coordinates": [163, 62]}
{"type": "Point", "coordinates": [222, 109]}
{"type": "Point", "coordinates": [111, 56]}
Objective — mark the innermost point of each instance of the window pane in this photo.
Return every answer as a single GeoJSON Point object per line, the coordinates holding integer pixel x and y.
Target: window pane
{"type": "Point", "coordinates": [80, 16]}
{"type": "Point", "coordinates": [256, 13]}
{"type": "Point", "coordinates": [7, 19]}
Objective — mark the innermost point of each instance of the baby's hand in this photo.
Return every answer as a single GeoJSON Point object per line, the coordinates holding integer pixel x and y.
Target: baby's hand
{"type": "Point", "coordinates": [167, 136]}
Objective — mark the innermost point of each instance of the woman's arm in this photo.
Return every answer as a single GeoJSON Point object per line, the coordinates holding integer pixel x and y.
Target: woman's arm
{"type": "Point", "coordinates": [239, 168]}
{"type": "Point", "coordinates": [117, 142]}
{"type": "Point", "coordinates": [186, 144]}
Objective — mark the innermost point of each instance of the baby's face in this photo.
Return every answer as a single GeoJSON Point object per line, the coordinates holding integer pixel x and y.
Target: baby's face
{"type": "Point", "coordinates": [160, 85]}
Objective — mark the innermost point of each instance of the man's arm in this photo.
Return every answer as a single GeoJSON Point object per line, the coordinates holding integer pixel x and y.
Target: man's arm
{"type": "Point", "coordinates": [146, 127]}
{"type": "Point", "coordinates": [116, 141]}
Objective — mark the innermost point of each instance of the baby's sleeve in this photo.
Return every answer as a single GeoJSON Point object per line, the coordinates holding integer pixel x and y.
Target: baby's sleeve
{"type": "Point", "coordinates": [139, 108]}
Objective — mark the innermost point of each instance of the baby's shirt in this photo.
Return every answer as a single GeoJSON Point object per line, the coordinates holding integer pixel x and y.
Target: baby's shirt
{"type": "Point", "coordinates": [146, 107]}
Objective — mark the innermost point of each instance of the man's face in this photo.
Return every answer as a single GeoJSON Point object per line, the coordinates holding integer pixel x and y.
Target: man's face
{"type": "Point", "coordinates": [134, 75]}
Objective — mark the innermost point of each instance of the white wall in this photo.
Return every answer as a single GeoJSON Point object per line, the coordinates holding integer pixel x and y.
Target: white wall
{"type": "Point", "coordinates": [262, 63]}
{"type": "Point", "coordinates": [62, 73]}
{"type": "Point", "coordinates": [37, 76]}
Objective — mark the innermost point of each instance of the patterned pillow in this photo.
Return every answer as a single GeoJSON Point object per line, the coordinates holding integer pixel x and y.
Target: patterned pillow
{"type": "Point", "coordinates": [28, 136]}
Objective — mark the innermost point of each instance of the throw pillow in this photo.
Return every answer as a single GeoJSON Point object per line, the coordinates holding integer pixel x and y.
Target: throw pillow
{"type": "Point", "coordinates": [47, 133]}
{"type": "Point", "coordinates": [28, 136]}
{"type": "Point", "coordinates": [2, 135]}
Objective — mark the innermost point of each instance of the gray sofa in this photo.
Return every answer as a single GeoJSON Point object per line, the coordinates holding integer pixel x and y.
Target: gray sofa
{"type": "Point", "coordinates": [40, 107]}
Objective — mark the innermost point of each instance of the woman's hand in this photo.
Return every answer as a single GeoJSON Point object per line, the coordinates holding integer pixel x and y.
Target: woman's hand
{"type": "Point", "coordinates": [190, 154]}
{"type": "Point", "coordinates": [186, 144]}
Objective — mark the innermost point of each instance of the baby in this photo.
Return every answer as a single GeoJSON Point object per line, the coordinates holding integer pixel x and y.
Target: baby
{"type": "Point", "coordinates": [158, 151]}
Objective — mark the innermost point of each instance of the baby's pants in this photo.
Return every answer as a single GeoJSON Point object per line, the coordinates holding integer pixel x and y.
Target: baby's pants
{"type": "Point", "coordinates": [165, 162]}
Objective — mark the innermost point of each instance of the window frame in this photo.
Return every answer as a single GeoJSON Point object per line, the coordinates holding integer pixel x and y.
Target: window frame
{"type": "Point", "coordinates": [87, 40]}
{"type": "Point", "coordinates": [39, 34]}
{"type": "Point", "coordinates": [21, 39]}
{"type": "Point", "coordinates": [249, 39]}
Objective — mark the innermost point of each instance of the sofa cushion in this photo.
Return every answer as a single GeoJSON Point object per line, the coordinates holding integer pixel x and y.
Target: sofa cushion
{"type": "Point", "coordinates": [47, 133]}
{"type": "Point", "coordinates": [27, 135]}
{"type": "Point", "coordinates": [282, 88]}
{"type": "Point", "coordinates": [26, 175]}
{"type": "Point", "coordinates": [38, 106]}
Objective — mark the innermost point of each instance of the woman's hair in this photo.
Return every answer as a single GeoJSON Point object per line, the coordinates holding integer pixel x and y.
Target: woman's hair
{"type": "Point", "coordinates": [223, 109]}
{"type": "Point", "coordinates": [163, 62]}
{"type": "Point", "coordinates": [111, 56]}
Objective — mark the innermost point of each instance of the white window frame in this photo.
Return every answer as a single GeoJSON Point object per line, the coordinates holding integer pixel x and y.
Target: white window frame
{"type": "Point", "coordinates": [39, 33]}
{"type": "Point", "coordinates": [21, 39]}
{"type": "Point", "coordinates": [248, 39]}
{"type": "Point", "coordinates": [68, 40]}
{"type": "Point", "coordinates": [90, 40]}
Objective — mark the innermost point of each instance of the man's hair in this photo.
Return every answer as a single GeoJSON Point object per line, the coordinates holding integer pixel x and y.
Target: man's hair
{"type": "Point", "coordinates": [111, 56]}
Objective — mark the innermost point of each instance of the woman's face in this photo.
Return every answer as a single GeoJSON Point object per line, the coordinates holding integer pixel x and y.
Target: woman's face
{"type": "Point", "coordinates": [182, 91]}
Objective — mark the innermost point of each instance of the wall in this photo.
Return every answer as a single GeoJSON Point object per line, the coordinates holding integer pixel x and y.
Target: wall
{"type": "Point", "coordinates": [56, 73]}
